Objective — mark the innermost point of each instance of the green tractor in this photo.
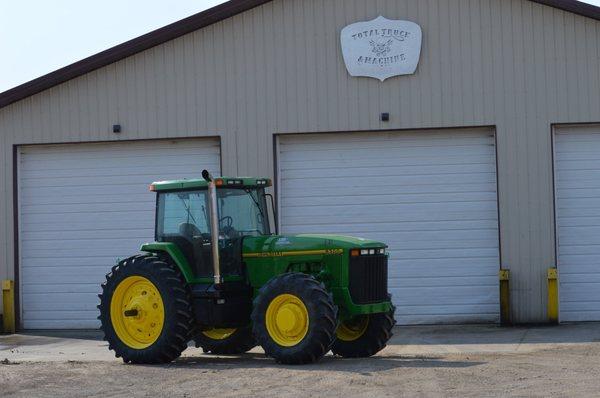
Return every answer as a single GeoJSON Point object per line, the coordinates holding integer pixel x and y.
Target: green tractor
{"type": "Point", "coordinates": [217, 275]}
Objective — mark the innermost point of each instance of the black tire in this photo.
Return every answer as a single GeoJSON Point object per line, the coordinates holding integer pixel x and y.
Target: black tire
{"type": "Point", "coordinates": [238, 342]}
{"type": "Point", "coordinates": [178, 322]}
{"type": "Point", "coordinates": [322, 315]}
{"type": "Point", "coordinates": [378, 332]}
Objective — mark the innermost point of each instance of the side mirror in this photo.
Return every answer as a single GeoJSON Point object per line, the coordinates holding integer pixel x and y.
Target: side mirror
{"type": "Point", "coordinates": [206, 175]}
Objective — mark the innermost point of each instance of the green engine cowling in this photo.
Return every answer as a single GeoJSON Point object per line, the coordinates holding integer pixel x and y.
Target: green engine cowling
{"type": "Point", "coordinates": [332, 259]}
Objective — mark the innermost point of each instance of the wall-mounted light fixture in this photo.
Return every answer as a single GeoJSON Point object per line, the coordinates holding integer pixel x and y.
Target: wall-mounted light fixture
{"type": "Point", "coordinates": [385, 117]}
{"type": "Point", "coordinates": [116, 128]}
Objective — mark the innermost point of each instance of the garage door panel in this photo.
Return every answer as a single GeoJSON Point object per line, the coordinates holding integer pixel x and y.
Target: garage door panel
{"type": "Point", "coordinates": [84, 206]}
{"type": "Point", "coordinates": [415, 244]}
{"type": "Point", "coordinates": [444, 267]}
{"type": "Point", "coordinates": [30, 246]}
{"type": "Point", "coordinates": [50, 301]}
{"type": "Point", "coordinates": [582, 316]}
{"type": "Point", "coordinates": [431, 197]}
{"type": "Point", "coordinates": [59, 324]}
{"type": "Point", "coordinates": [409, 143]}
{"type": "Point", "coordinates": [386, 199]}
{"type": "Point", "coordinates": [98, 234]}
{"type": "Point", "coordinates": [384, 170]}
{"type": "Point", "coordinates": [375, 180]}
{"type": "Point", "coordinates": [130, 220]}
{"type": "Point", "coordinates": [28, 193]}
{"type": "Point", "coordinates": [397, 216]}
{"type": "Point", "coordinates": [573, 212]}
{"type": "Point", "coordinates": [579, 309]}
{"type": "Point", "coordinates": [66, 276]}
{"type": "Point", "coordinates": [125, 206]}
{"type": "Point", "coordinates": [440, 281]}
{"type": "Point", "coordinates": [56, 319]}
{"type": "Point", "coordinates": [78, 198]}
{"type": "Point", "coordinates": [578, 232]}
{"type": "Point", "coordinates": [577, 173]}
{"type": "Point", "coordinates": [43, 288]}
{"type": "Point", "coordinates": [444, 318]}
{"type": "Point", "coordinates": [575, 165]}
{"type": "Point", "coordinates": [582, 278]}
{"type": "Point", "coordinates": [349, 188]}
{"type": "Point", "coordinates": [567, 222]}
{"type": "Point", "coordinates": [128, 150]}
{"type": "Point", "coordinates": [90, 219]}
{"type": "Point", "coordinates": [421, 210]}
{"type": "Point", "coordinates": [84, 252]}
{"type": "Point", "coordinates": [408, 226]}
{"type": "Point", "coordinates": [458, 296]}
{"type": "Point", "coordinates": [586, 266]}
{"type": "Point", "coordinates": [574, 290]}
{"type": "Point", "coordinates": [169, 166]}
{"type": "Point", "coordinates": [435, 253]}
{"type": "Point", "coordinates": [583, 202]}
{"type": "Point", "coordinates": [431, 312]}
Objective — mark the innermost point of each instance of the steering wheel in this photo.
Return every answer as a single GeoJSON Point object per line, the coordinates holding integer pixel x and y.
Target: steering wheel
{"type": "Point", "coordinates": [228, 220]}
{"type": "Point", "coordinates": [230, 233]}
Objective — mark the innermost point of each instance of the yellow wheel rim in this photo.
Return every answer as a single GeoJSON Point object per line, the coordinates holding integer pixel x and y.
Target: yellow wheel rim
{"type": "Point", "coordinates": [353, 329]}
{"type": "Point", "coordinates": [137, 312]}
{"type": "Point", "coordinates": [287, 320]}
{"type": "Point", "coordinates": [218, 334]}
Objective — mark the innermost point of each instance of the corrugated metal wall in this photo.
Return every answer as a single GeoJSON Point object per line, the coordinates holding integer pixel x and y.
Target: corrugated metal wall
{"type": "Point", "coordinates": [278, 68]}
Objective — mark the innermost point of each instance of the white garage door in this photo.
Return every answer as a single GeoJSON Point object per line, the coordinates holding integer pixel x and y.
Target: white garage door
{"type": "Point", "coordinates": [431, 196]}
{"type": "Point", "coordinates": [577, 157]}
{"type": "Point", "coordinates": [82, 207]}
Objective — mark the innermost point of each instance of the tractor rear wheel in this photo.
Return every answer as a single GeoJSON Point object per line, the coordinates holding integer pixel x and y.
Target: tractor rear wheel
{"type": "Point", "coordinates": [294, 319]}
{"type": "Point", "coordinates": [226, 341]}
{"type": "Point", "coordinates": [145, 310]}
{"type": "Point", "coordinates": [363, 336]}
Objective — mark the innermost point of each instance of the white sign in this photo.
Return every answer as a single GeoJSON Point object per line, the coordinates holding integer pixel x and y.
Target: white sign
{"type": "Point", "coordinates": [382, 48]}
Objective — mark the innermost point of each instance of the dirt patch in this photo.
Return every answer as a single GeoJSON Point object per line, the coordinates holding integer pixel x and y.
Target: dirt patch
{"type": "Point", "coordinates": [571, 371]}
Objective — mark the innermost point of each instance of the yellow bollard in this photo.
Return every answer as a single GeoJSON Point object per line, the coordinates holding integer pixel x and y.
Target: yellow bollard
{"type": "Point", "coordinates": [553, 295]}
{"type": "Point", "coordinates": [8, 300]}
{"type": "Point", "coordinates": [504, 296]}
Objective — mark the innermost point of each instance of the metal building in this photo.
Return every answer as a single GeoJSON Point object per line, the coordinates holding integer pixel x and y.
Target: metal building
{"type": "Point", "coordinates": [486, 158]}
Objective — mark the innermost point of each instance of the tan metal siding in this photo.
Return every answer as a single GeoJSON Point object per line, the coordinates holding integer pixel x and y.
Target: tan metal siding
{"type": "Point", "coordinates": [278, 68]}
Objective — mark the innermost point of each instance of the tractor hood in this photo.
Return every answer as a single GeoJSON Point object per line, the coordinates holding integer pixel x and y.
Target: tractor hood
{"type": "Point", "coordinates": [306, 242]}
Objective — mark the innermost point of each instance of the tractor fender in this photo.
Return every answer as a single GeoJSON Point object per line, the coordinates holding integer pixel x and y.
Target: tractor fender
{"type": "Point", "coordinates": [174, 253]}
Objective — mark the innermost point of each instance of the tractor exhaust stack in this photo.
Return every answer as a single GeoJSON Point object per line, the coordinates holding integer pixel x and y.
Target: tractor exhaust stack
{"type": "Point", "coordinates": [214, 225]}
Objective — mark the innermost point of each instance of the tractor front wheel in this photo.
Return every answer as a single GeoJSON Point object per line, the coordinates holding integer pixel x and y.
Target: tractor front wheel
{"type": "Point", "coordinates": [294, 319]}
{"type": "Point", "coordinates": [145, 310]}
{"type": "Point", "coordinates": [363, 336]}
{"type": "Point", "coordinates": [226, 341]}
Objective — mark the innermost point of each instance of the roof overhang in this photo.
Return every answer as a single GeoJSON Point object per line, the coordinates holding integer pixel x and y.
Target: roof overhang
{"type": "Point", "coordinates": [183, 27]}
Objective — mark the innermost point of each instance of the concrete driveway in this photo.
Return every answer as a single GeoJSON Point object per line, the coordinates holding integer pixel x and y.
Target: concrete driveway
{"type": "Point", "coordinates": [475, 360]}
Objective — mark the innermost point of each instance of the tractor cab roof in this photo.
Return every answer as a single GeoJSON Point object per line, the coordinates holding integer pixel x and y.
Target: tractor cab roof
{"type": "Point", "coordinates": [221, 182]}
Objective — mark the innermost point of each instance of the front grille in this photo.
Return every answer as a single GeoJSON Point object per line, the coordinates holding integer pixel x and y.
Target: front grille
{"type": "Point", "coordinates": [369, 279]}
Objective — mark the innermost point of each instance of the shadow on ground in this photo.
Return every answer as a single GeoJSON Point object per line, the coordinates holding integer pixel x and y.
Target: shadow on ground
{"type": "Point", "coordinates": [329, 363]}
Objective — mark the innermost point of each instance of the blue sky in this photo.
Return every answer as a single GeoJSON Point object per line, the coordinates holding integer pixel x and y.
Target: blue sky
{"type": "Point", "coordinates": [39, 36]}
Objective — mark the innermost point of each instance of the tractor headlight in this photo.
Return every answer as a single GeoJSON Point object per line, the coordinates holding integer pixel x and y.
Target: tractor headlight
{"type": "Point", "coordinates": [367, 252]}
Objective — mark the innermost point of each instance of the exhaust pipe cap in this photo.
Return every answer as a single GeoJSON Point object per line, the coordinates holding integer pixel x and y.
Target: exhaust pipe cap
{"type": "Point", "coordinates": [206, 175]}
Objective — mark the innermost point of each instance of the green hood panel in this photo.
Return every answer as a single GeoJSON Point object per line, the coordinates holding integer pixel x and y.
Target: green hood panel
{"type": "Point", "coordinates": [306, 242]}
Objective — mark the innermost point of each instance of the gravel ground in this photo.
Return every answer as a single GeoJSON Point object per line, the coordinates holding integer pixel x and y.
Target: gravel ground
{"type": "Point", "coordinates": [497, 368]}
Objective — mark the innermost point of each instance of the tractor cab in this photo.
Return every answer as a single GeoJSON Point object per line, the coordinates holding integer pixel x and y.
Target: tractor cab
{"type": "Point", "coordinates": [184, 217]}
